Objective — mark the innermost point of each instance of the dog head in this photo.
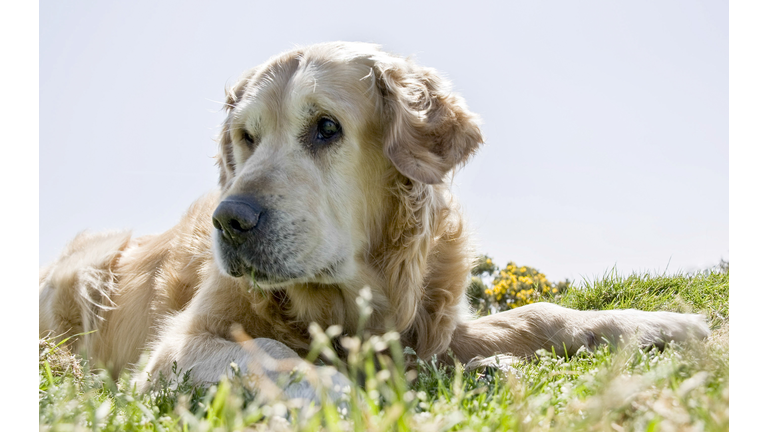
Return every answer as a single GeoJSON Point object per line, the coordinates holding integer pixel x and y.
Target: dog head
{"type": "Point", "coordinates": [309, 151]}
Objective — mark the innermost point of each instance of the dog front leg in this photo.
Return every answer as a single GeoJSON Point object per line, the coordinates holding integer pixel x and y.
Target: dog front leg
{"type": "Point", "coordinates": [522, 331]}
{"type": "Point", "coordinates": [266, 365]}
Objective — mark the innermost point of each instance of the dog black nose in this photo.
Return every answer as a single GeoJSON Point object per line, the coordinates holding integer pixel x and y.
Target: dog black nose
{"type": "Point", "coordinates": [236, 216]}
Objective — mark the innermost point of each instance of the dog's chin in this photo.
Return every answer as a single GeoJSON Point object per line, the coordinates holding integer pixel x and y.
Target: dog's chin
{"type": "Point", "coordinates": [266, 280]}
{"type": "Point", "coordinates": [238, 269]}
{"type": "Point", "coordinates": [272, 276]}
{"type": "Point", "coordinates": [327, 275]}
{"type": "Point", "coordinates": [262, 280]}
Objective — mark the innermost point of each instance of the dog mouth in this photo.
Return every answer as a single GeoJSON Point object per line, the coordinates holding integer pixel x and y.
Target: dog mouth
{"type": "Point", "coordinates": [238, 268]}
{"type": "Point", "coordinates": [271, 258]}
{"type": "Point", "coordinates": [324, 275]}
{"type": "Point", "coordinates": [260, 277]}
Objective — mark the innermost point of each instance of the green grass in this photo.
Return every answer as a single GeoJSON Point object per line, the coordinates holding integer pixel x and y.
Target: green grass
{"type": "Point", "coordinates": [685, 387]}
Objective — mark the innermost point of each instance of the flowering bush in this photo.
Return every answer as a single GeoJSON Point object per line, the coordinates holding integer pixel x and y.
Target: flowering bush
{"type": "Point", "coordinates": [509, 287]}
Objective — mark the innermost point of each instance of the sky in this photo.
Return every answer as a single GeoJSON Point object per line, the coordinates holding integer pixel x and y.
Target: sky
{"type": "Point", "coordinates": [606, 123]}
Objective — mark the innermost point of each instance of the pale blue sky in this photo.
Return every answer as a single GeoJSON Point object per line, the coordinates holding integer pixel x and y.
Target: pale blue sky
{"type": "Point", "coordinates": [606, 122]}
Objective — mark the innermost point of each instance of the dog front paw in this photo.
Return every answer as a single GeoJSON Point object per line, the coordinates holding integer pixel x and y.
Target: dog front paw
{"type": "Point", "coordinates": [663, 327]}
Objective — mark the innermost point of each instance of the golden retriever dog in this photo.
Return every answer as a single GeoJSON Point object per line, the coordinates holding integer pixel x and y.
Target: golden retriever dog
{"type": "Point", "coordinates": [335, 165]}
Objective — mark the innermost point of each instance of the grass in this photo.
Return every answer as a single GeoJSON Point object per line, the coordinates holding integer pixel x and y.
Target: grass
{"type": "Point", "coordinates": [685, 387]}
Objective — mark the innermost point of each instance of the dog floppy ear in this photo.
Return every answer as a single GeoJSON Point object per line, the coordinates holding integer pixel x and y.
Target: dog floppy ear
{"type": "Point", "coordinates": [225, 159]}
{"type": "Point", "coordinates": [430, 129]}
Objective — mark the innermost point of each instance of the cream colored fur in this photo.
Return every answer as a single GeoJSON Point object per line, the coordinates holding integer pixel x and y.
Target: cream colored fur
{"type": "Point", "coordinates": [371, 210]}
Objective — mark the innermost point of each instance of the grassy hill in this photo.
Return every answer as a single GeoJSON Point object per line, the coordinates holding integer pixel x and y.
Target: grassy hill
{"type": "Point", "coordinates": [685, 387]}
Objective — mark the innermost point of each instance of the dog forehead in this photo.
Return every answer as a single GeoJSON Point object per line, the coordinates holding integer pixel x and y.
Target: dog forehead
{"type": "Point", "coordinates": [337, 80]}
{"type": "Point", "coordinates": [348, 88]}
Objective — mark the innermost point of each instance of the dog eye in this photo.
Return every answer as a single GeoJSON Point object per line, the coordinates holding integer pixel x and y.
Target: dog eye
{"type": "Point", "coordinates": [248, 137]}
{"type": "Point", "coordinates": [327, 129]}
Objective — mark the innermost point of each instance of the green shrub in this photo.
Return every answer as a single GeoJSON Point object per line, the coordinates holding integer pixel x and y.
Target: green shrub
{"type": "Point", "coordinates": [510, 287]}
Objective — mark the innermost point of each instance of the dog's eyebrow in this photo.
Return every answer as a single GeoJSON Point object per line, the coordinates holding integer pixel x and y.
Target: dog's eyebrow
{"type": "Point", "coordinates": [311, 108]}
